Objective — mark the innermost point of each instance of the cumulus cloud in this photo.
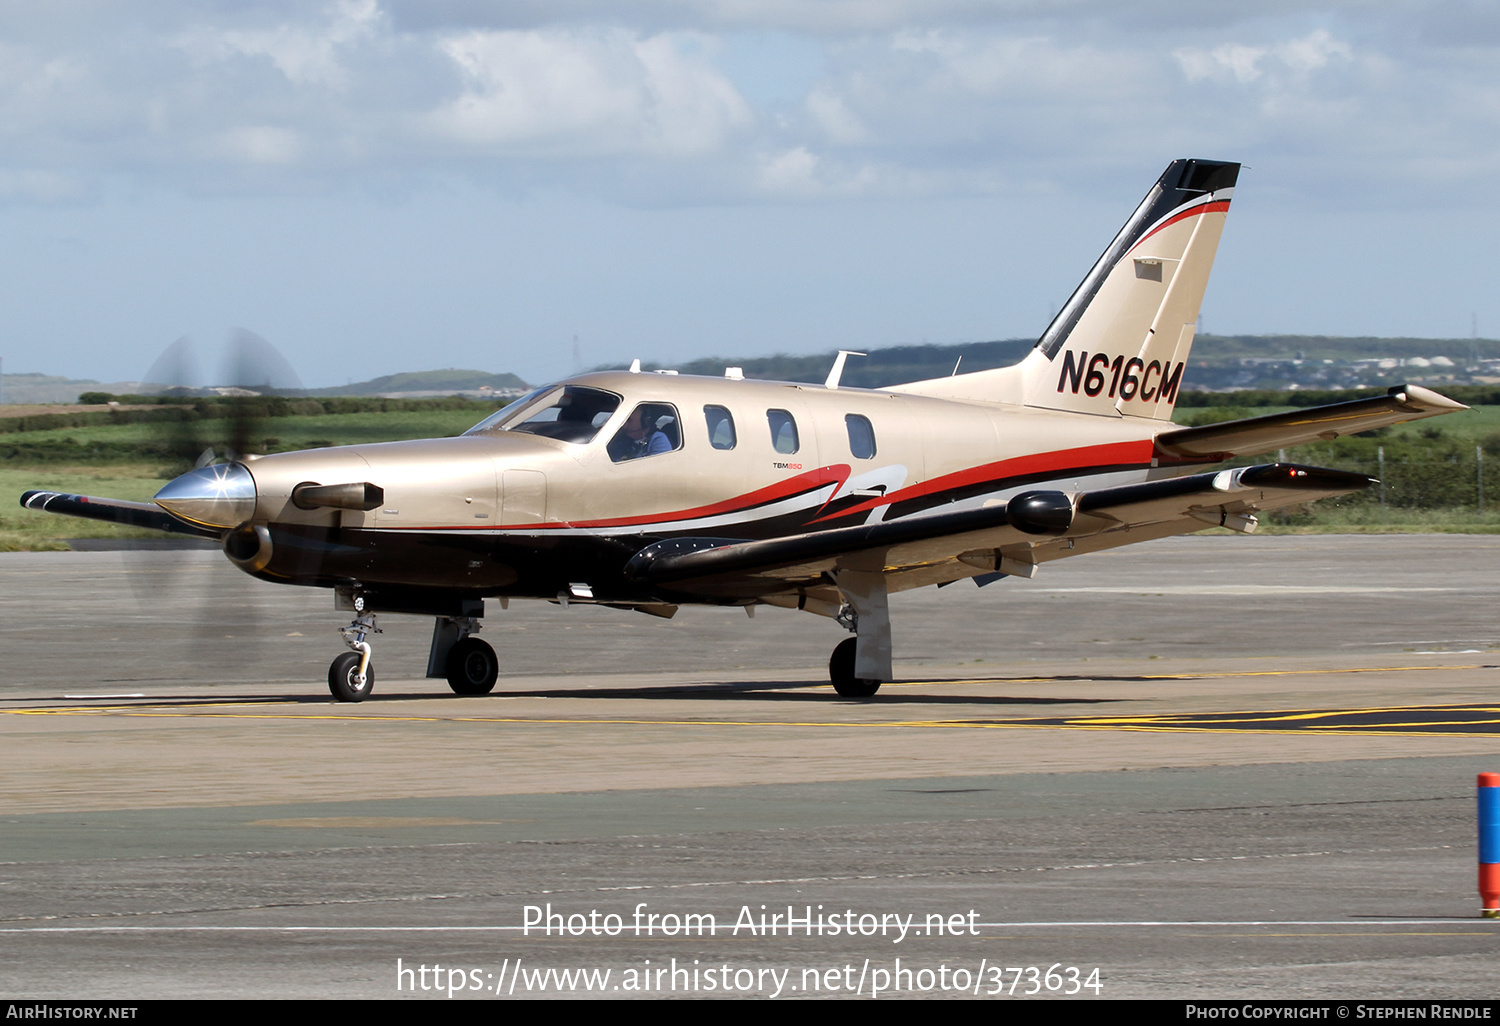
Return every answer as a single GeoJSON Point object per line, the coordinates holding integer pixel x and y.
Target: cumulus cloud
{"type": "Point", "coordinates": [909, 97]}
{"type": "Point", "coordinates": [589, 93]}
{"type": "Point", "coordinates": [306, 53]}
{"type": "Point", "coordinates": [1246, 64]}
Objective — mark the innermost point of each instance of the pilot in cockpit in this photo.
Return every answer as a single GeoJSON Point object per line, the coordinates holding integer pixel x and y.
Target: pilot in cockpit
{"type": "Point", "coordinates": [649, 430]}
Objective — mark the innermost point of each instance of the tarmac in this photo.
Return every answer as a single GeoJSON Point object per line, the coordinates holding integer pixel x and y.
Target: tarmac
{"type": "Point", "coordinates": [1204, 768]}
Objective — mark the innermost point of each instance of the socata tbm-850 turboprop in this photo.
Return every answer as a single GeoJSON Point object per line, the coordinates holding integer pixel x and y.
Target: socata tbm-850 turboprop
{"type": "Point", "coordinates": [648, 491]}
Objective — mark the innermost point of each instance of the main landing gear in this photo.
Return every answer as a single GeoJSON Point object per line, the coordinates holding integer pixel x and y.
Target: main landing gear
{"type": "Point", "coordinates": [472, 667]}
{"type": "Point", "coordinates": [469, 664]}
{"type": "Point", "coordinates": [860, 663]}
{"type": "Point", "coordinates": [841, 672]}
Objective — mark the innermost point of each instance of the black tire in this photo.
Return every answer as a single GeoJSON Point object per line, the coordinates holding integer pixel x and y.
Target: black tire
{"type": "Point", "coordinates": [341, 678]}
{"type": "Point", "coordinates": [472, 667]}
{"type": "Point", "coordinates": [841, 672]}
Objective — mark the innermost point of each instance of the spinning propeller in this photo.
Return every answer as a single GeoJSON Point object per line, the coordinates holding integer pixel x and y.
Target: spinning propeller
{"type": "Point", "coordinates": [199, 434]}
{"type": "Point", "coordinates": [204, 445]}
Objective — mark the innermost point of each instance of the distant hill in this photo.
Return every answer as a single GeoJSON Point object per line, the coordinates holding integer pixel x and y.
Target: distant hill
{"type": "Point", "coordinates": [443, 382]}
{"type": "Point", "coordinates": [881, 367]}
{"type": "Point", "coordinates": [1232, 362]}
{"type": "Point", "coordinates": [1218, 362]}
{"type": "Point", "coordinates": [29, 389]}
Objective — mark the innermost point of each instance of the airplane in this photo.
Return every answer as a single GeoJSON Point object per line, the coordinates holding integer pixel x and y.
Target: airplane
{"type": "Point", "coordinates": [648, 491]}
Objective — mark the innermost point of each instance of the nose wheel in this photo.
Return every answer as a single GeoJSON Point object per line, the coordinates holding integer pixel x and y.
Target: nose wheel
{"type": "Point", "coordinates": [346, 683]}
{"type": "Point", "coordinates": [351, 678]}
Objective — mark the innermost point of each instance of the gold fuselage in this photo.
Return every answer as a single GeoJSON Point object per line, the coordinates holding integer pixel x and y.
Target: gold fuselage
{"type": "Point", "coordinates": [506, 512]}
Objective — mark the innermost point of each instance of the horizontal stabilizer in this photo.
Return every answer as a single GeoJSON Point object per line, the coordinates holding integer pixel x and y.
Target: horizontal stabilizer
{"type": "Point", "coordinates": [1299, 427]}
{"type": "Point", "coordinates": [115, 511]}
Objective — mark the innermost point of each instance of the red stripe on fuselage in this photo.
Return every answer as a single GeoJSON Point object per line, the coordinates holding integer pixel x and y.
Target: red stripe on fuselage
{"type": "Point", "coordinates": [806, 482]}
{"type": "Point", "coordinates": [1080, 460]}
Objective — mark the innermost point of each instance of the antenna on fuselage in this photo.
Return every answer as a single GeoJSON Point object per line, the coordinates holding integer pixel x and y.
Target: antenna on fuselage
{"type": "Point", "coordinates": [838, 367]}
{"type": "Point", "coordinates": [635, 366]}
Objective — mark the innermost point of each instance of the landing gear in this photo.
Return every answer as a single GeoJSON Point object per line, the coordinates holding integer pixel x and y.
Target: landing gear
{"type": "Point", "coordinates": [350, 678]}
{"type": "Point", "coordinates": [472, 667]}
{"type": "Point", "coordinates": [346, 683]}
{"type": "Point", "coordinates": [468, 664]}
{"type": "Point", "coordinates": [860, 663]}
{"type": "Point", "coordinates": [841, 672]}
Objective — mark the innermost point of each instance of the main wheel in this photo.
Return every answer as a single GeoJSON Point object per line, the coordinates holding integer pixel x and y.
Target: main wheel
{"type": "Point", "coordinates": [341, 683]}
{"type": "Point", "coordinates": [472, 667]}
{"type": "Point", "coordinates": [841, 672]}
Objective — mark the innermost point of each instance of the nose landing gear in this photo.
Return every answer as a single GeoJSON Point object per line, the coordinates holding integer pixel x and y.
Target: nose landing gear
{"type": "Point", "coordinates": [350, 676]}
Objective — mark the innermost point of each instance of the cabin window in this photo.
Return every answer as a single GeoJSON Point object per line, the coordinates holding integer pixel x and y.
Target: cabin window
{"type": "Point", "coordinates": [783, 431]}
{"type": "Point", "coordinates": [572, 413]}
{"type": "Point", "coordinates": [720, 427]}
{"type": "Point", "coordinates": [650, 430]}
{"type": "Point", "coordinates": [861, 436]}
{"type": "Point", "coordinates": [507, 412]}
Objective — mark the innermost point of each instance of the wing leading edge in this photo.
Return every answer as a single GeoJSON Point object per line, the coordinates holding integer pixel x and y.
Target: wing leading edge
{"type": "Point", "coordinates": [115, 511]}
{"type": "Point", "coordinates": [1032, 528]}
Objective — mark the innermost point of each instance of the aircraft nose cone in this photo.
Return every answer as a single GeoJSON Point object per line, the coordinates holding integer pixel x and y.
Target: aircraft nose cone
{"type": "Point", "coordinates": [222, 495]}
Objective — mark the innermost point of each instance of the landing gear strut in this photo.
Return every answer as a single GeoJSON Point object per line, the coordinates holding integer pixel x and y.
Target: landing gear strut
{"type": "Point", "coordinates": [350, 676]}
{"type": "Point", "coordinates": [860, 663]}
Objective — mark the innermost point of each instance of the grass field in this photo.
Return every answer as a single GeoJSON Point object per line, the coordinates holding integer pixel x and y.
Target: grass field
{"type": "Point", "coordinates": [23, 530]}
{"type": "Point", "coordinates": [285, 433]}
{"type": "Point", "coordinates": [1473, 425]}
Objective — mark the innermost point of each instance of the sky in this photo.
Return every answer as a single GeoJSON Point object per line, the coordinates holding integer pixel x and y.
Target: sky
{"type": "Point", "coordinates": [532, 186]}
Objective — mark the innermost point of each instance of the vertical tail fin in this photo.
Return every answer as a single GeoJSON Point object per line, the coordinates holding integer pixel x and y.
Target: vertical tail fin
{"type": "Point", "coordinates": [1119, 344]}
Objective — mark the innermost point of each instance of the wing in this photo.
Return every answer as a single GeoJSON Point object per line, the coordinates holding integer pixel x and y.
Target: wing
{"type": "Point", "coordinates": [1011, 538]}
{"type": "Point", "coordinates": [1217, 442]}
{"type": "Point", "coordinates": [116, 511]}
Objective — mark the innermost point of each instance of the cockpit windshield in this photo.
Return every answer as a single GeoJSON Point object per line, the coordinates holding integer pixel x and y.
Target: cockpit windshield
{"type": "Point", "coordinates": [571, 413]}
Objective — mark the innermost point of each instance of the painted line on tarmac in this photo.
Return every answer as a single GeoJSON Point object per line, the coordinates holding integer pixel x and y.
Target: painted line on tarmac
{"type": "Point", "coordinates": [1423, 721]}
{"type": "Point", "coordinates": [1246, 590]}
{"type": "Point", "coordinates": [1415, 721]}
{"type": "Point", "coordinates": [229, 703]}
{"type": "Point", "coordinates": [1106, 678]}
